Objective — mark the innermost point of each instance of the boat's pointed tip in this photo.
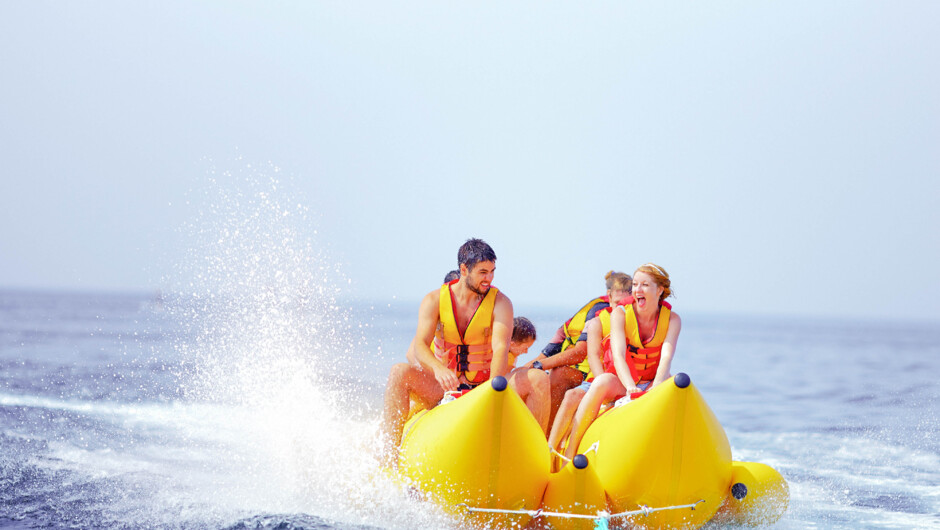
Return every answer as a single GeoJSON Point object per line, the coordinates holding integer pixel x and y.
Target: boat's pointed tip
{"type": "Point", "coordinates": [682, 380]}
{"type": "Point", "coordinates": [580, 461]}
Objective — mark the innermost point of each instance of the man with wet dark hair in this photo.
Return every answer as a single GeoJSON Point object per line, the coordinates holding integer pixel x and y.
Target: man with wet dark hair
{"type": "Point", "coordinates": [474, 251]}
{"type": "Point", "coordinates": [462, 340]}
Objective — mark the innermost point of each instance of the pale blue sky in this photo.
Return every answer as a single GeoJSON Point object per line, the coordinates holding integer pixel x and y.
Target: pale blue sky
{"type": "Point", "coordinates": [774, 157]}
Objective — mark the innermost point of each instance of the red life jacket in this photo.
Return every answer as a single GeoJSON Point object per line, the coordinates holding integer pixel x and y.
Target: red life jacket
{"type": "Point", "coordinates": [642, 359]}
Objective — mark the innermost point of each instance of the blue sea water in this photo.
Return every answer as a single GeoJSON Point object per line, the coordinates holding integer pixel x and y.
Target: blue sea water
{"type": "Point", "coordinates": [257, 408]}
{"type": "Point", "coordinates": [248, 393]}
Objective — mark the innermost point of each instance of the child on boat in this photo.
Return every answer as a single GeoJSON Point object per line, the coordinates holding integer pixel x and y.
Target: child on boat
{"type": "Point", "coordinates": [523, 336]}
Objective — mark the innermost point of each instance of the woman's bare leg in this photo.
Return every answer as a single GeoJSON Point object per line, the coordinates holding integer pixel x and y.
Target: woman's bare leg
{"type": "Point", "coordinates": [604, 388]}
{"type": "Point", "coordinates": [562, 424]}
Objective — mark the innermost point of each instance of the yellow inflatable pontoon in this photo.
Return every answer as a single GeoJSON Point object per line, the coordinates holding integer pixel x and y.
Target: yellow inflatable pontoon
{"type": "Point", "coordinates": [660, 461]}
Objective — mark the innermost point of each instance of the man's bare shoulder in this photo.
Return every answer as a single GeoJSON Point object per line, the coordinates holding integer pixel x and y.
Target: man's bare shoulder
{"type": "Point", "coordinates": [432, 297]}
{"type": "Point", "coordinates": [501, 298]}
{"type": "Point", "coordinates": [503, 307]}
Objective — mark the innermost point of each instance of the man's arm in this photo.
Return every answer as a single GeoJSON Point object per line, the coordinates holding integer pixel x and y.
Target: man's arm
{"type": "Point", "coordinates": [410, 354]}
{"type": "Point", "coordinates": [428, 317]}
{"type": "Point", "coordinates": [502, 333]}
{"type": "Point", "coordinates": [551, 349]}
{"type": "Point", "coordinates": [540, 357]}
{"type": "Point", "coordinates": [569, 357]}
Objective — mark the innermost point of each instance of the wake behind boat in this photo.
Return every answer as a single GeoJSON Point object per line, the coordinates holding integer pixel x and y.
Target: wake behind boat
{"type": "Point", "coordinates": [662, 460]}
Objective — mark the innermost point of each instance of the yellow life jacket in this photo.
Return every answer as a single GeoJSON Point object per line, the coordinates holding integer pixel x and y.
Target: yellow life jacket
{"type": "Point", "coordinates": [642, 358]}
{"type": "Point", "coordinates": [575, 325]}
{"type": "Point", "coordinates": [468, 355]}
{"type": "Point", "coordinates": [603, 317]}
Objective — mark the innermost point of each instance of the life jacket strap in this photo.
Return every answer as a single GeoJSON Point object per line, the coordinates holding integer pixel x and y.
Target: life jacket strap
{"type": "Point", "coordinates": [463, 358]}
{"type": "Point", "coordinates": [645, 352]}
{"type": "Point", "coordinates": [444, 346]}
{"type": "Point", "coordinates": [648, 358]}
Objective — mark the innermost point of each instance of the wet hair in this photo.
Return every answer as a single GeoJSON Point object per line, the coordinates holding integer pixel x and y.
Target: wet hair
{"type": "Point", "coordinates": [522, 329]}
{"type": "Point", "coordinates": [619, 280]}
{"type": "Point", "coordinates": [450, 276]}
{"type": "Point", "coordinates": [474, 251]}
{"type": "Point", "coordinates": [660, 276]}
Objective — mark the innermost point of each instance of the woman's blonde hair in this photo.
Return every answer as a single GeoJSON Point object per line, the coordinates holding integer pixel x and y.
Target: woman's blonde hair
{"type": "Point", "coordinates": [660, 276]}
{"type": "Point", "coordinates": [619, 280]}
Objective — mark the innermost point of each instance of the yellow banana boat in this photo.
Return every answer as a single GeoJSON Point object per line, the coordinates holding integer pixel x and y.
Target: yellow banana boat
{"type": "Point", "coordinates": [484, 450]}
{"type": "Point", "coordinates": [660, 461]}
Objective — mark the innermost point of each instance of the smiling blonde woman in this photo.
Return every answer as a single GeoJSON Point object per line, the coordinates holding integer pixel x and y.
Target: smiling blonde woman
{"type": "Point", "coordinates": [639, 352]}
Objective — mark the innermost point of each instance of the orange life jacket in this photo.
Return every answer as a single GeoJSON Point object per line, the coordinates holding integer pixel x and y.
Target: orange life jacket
{"type": "Point", "coordinates": [642, 358]}
{"type": "Point", "coordinates": [469, 354]}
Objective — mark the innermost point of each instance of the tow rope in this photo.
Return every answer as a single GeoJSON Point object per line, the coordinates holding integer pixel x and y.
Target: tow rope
{"type": "Point", "coordinates": [601, 518]}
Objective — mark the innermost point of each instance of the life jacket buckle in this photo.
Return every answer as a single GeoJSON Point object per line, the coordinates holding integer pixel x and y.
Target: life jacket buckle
{"type": "Point", "coordinates": [463, 363]}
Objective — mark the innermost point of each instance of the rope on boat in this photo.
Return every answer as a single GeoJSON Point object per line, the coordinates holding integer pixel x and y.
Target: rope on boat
{"type": "Point", "coordinates": [559, 455]}
{"type": "Point", "coordinates": [566, 459]}
{"type": "Point", "coordinates": [644, 510]}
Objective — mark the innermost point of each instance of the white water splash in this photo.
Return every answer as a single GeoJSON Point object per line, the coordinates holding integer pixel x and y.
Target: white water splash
{"type": "Point", "coordinates": [266, 338]}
